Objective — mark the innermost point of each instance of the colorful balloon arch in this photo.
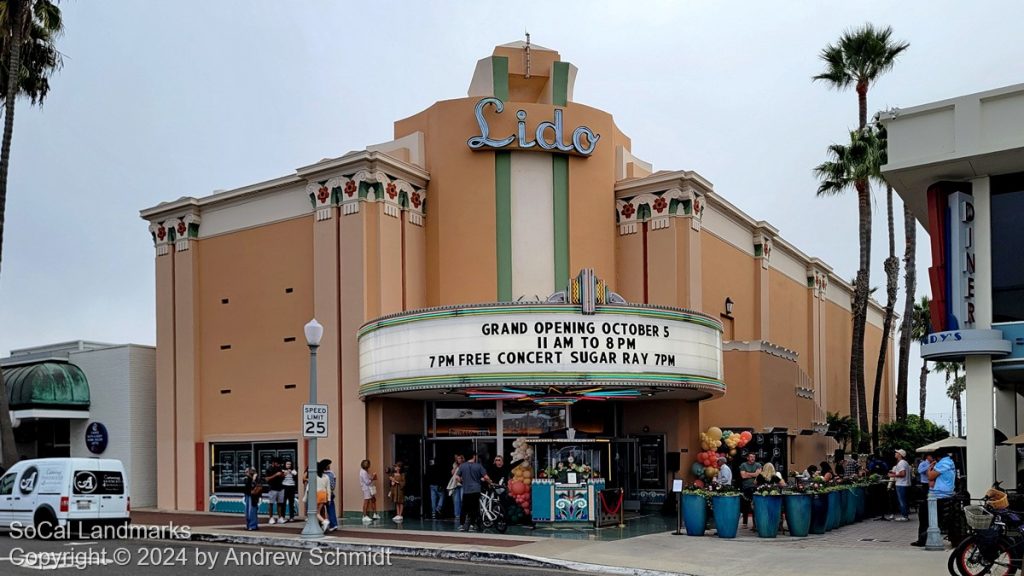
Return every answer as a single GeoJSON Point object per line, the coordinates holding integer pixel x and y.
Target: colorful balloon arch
{"type": "Point", "coordinates": [714, 442]}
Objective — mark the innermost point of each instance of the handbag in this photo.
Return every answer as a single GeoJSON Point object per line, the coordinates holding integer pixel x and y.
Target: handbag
{"type": "Point", "coordinates": [257, 489]}
{"type": "Point", "coordinates": [373, 490]}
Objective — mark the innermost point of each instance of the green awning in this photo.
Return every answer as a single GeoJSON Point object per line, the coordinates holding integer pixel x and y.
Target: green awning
{"type": "Point", "coordinates": [52, 385]}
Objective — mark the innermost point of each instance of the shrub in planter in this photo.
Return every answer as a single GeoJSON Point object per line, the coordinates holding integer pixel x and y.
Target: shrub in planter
{"type": "Point", "coordinates": [725, 506]}
{"type": "Point", "coordinates": [694, 506]}
{"type": "Point", "coordinates": [796, 501]}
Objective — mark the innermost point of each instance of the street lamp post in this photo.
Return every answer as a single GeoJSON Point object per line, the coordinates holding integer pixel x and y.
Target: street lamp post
{"type": "Point", "coordinates": [314, 332]}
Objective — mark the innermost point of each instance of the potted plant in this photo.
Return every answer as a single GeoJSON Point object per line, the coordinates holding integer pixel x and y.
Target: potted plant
{"type": "Point", "coordinates": [725, 506]}
{"type": "Point", "coordinates": [767, 510]}
{"type": "Point", "coordinates": [849, 500]}
{"type": "Point", "coordinates": [694, 508]}
{"type": "Point", "coordinates": [861, 491]}
{"type": "Point", "coordinates": [819, 504]}
{"type": "Point", "coordinates": [797, 503]}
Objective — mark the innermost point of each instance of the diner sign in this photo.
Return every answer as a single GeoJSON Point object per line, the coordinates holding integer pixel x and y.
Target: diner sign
{"type": "Point", "coordinates": [582, 143]}
{"type": "Point", "coordinates": [442, 346]}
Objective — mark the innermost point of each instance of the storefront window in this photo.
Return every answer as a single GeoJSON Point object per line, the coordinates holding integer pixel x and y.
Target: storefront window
{"type": "Point", "coordinates": [459, 419]}
{"type": "Point", "coordinates": [532, 420]}
{"type": "Point", "coordinates": [231, 459]}
{"type": "Point", "coordinates": [1007, 257]}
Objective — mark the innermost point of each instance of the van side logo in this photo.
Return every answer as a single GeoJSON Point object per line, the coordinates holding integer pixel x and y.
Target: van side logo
{"type": "Point", "coordinates": [28, 480]}
{"type": "Point", "coordinates": [85, 482]}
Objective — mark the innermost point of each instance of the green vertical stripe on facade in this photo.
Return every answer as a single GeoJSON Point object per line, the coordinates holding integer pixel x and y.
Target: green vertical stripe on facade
{"type": "Point", "coordinates": [560, 176]}
{"type": "Point", "coordinates": [499, 74]}
{"type": "Point", "coordinates": [560, 84]}
{"type": "Point", "coordinates": [503, 222]}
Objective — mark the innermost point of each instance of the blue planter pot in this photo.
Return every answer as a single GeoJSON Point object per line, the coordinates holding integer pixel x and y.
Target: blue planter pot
{"type": "Point", "coordinates": [798, 514]}
{"type": "Point", "coordinates": [844, 505]}
{"type": "Point", "coordinates": [767, 515]}
{"type": "Point", "coordinates": [695, 515]}
{"type": "Point", "coordinates": [726, 510]}
{"type": "Point", "coordinates": [835, 510]}
{"type": "Point", "coordinates": [849, 506]}
{"type": "Point", "coordinates": [819, 513]}
{"type": "Point", "coordinates": [862, 502]}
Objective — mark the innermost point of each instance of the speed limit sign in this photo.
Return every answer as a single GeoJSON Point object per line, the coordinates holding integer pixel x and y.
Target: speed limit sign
{"type": "Point", "coordinates": [314, 420]}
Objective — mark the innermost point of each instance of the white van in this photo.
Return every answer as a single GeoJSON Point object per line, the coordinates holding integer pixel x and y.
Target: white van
{"type": "Point", "coordinates": [64, 491]}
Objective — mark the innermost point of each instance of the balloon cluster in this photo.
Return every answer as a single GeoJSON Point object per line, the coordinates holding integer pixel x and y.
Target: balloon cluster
{"type": "Point", "coordinates": [522, 477]}
{"type": "Point", "coordinates": [710, 442]}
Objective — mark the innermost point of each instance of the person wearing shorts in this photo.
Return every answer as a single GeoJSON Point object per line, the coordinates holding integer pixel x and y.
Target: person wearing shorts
{"type": "Point", "coordinates": [275, 496]}
{"type": "Point", "coordinates": [367, 484]}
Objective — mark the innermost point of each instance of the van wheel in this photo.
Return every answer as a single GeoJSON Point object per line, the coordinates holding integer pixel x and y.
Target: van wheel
{"type": "Point", "coordinates": [45, 523]}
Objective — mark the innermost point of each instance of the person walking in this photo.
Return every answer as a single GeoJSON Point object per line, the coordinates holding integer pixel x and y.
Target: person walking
{"type": "Point", "coordinates": [437, 479]}
{"type": "Point", "coordinates": [397, 480]}
{"type": "Point", "coordinates": [323, 488]}
{"type": "Point", "coordinates": [290, 484]}
{"type": "Point", "coordinates": [275, 494]}
{"type": "Point", "coordinates": [471, 475]}
{"type": "Point", "coordinates": [749, 471]}
{"type": "Point", "coordinates": [367, 482]}
{"type": "Point", "coordinates": [942, 477]}
{"type": "Point", "coordinates": [901, 474]}
{"type": "Point", "coordinates": [253, 494]}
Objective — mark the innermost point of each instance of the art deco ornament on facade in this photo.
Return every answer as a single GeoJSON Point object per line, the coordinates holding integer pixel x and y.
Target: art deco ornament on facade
{"type": "Point", "coordinates": [584, 141]}
{"type": "Point", "coordinates": [657, 208]}
{"type": "Point", "coordinates": [177, 231]}
{"type": "Point", "coordinates": [365, 186]}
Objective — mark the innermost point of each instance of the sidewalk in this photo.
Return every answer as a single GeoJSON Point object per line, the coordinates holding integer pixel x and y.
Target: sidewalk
{"type": "Point", "coordinates": [863, 548]}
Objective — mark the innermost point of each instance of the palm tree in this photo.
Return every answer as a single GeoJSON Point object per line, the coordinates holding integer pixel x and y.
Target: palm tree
{"type": "Point", "coordinates": [28, 29]}
{"type": "Point", "coordinates": [955, 390]}
{"type": "Point", "coordinates": [853, 166]}
{"type": "Point", "coordinates": [907, 330]}
{"type": "Point", "coordinates": [920, 326]}
{"type": "Point", "coordinates": [955, 386]}
{"type": "Point", "coordinates": [858, 59]}
{"type": "Point", "coordinates": [892, 270]}
{"type": "Point", "coordinates": [843, 429]}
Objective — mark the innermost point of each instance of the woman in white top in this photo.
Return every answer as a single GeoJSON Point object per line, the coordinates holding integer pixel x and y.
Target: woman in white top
{"type": "Point", "coordinates": [366, 482]}
{"type": "Point", "coordinates": [290, 486]}
{"type": "Point", "coordinates": [323, 491]}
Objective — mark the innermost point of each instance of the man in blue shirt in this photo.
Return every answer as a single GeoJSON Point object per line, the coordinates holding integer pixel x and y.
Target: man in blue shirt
{"type": "Point", "coordinates": [942, 476]}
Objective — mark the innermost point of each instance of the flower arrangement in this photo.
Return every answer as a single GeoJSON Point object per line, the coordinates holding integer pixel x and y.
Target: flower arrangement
{"type": "Point", "coordinates": [561, 471]}
{"type": "Point", "coordinates": [768, 490]}
{"type": "Point", "coordinates": [716, 489]}
{"type": "Point", "coordinates": [698, 488]}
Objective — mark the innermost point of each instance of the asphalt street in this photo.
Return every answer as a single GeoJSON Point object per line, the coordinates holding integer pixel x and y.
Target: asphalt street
{"type": "Point", "coordinates": [137, 557]}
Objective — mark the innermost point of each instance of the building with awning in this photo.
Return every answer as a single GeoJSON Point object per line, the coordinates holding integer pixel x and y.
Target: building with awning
{"type": "Point", "coordinates": [87, 399]}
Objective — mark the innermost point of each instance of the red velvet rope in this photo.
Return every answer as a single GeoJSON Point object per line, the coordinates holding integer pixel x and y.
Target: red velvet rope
{"type": "Point", "coordinates": [604, 504]}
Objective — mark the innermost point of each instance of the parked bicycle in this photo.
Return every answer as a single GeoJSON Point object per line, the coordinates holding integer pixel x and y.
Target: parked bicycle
{"type": "Point", "coordinates": [995, 543]}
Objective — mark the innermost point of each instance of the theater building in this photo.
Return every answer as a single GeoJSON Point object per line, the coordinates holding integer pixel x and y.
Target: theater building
{"type": "Point", "coordinates": [504, 268]}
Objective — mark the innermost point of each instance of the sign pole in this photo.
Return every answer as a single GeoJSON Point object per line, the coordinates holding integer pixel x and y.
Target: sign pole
{"type": "Point", "coordinates": [312, 528]}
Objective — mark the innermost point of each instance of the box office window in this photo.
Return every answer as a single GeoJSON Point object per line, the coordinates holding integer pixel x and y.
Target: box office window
{"type": "Point", "coordinates": [460, 419]}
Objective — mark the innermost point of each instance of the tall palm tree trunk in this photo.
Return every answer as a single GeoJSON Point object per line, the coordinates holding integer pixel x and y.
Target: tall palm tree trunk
{"type": "Point", "coordinates": [892, 270]}
{"type": "Point", "coordinates": [860, 305]}
{"type": "Point", "coordinates": [910, 283]}
{"type": "Point", "coordinates": [959, 416]}
{"type": "Point", "coordinates": [923, 392]}
{"type": "Point", "coordinates": [15, 15]}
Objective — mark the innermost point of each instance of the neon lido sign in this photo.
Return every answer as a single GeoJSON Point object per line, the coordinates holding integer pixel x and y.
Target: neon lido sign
{"type": "Point", "coordinates": [583, 139]}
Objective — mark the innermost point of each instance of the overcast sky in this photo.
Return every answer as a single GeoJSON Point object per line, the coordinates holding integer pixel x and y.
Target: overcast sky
{"type": "Point", "coordinates": [159, 100]}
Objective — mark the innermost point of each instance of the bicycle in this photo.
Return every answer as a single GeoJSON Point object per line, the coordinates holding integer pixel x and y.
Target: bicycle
{"type": "Point", "coordinates": [995, 544]}
{"type": "Point", "coordinates": [492, 510]}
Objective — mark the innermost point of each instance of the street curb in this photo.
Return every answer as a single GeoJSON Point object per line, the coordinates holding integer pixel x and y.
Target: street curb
{"type": "Point", "coordinates": [506, 558]}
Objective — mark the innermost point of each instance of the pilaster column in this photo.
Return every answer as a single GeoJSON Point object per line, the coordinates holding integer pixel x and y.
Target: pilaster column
{"type": "Point", "coordinates": [166, 438]}
{"type": "Point", "coordinates": [980, 422]}
{"type": "Point", "coordinates": [764, 234]}
{"type": "Point", "coordinates": [190, 490]}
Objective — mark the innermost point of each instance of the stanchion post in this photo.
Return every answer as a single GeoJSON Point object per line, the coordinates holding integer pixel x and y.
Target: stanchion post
{"type": "Point", "coordinates": [622, 508]}
{"type": "Point", "coordinates": [934, 541]}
